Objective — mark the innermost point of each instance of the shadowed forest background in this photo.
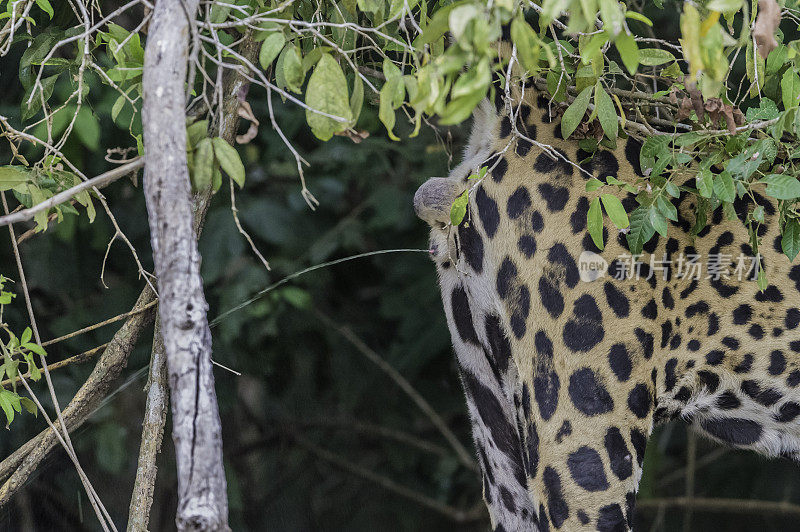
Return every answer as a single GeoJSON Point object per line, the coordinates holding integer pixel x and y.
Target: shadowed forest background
{"type": "Point", "coordinates": [313, 430]}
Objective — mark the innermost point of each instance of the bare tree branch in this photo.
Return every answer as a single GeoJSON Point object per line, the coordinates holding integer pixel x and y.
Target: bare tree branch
{"type": "Point", "coordinates": [155, 417]}
{"type": "Point", "coordinates": [16, 468]}
{"type": "Point", "coordinates": [235, 89]}
{"type": "Point", "coordinates": [197, 433]}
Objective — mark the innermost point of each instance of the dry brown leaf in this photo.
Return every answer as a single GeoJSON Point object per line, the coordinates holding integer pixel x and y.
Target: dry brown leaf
{"type": "Point", "coordinates": [769, 17]}
{"type": "Point", "coordinates": [246, 112]}
{"type": "Point", "coordinates": [697, 98]}
{"type": "Point", "coordinates": [685, 109]}
{"type": "Point", "coordinates": [352, 134]}
{"type": "Point", "coordinates": [730, 121]}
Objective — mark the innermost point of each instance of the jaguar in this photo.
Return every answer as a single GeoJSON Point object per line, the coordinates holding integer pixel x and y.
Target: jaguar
{"type": "Point", "coordinates": [569, 355]}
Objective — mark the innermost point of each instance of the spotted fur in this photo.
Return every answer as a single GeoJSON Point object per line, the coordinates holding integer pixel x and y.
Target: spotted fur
{"type": "Point", "coordinates": [565, 379]}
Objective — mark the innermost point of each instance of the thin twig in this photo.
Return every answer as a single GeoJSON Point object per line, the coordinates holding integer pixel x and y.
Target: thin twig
{"type": "Point", "coordinates": [734, 506]}
{"type": "Point", "coordinates": [455, 514]}
{"type": "Point", "coordinates": [76, 359]}
{"type": "Point", "coordinates": [100, 510]}
{"type": "Point", "coordinates": [98, 182]}
{"type": "Point", "coordinates": [691, 462]}
{"type": "Point", "coordinates": [701, 462]}
{"type": "Point", "coordinates": [17, 468]}
{"type": "Point", "coordinates": [463, 455]}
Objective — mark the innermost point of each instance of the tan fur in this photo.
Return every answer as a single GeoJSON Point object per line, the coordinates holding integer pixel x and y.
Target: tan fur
{"type": "Point", "coordinates": [564, 330]}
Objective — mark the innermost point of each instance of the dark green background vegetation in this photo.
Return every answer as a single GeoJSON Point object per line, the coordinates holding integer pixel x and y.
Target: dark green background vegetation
{"type": "Point", "coordinates": [303, 387]}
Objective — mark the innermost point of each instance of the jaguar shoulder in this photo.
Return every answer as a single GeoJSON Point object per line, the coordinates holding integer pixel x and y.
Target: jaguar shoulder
{"type": "Point", "coordinates": [566, 364]}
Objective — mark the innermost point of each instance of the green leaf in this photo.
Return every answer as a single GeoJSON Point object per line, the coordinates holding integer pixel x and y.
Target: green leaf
{"type": "Point", "coordinates": [593, 184]}
{"type": "Point", "coordinates": [666, 208]}
{"type": "Point", "coordinates": [594, 221]}
{"type": "Point", "coordinates": [370, 6]}
{"type": "Point", "coordinates": [474, 80]}
{"type": "Point", "coordinates": [461, 108]}
{"type": "Point", "coordinates": [311, 58]}
{"type": "Point", "coordinates": [396, 91]}
{"type": "Point", "coordinates": [657, 220]}
{"type": "Point", "coordinates": [203, 165]}
{"type": "Point", "coordinates": [528, 47]}
{"type": "Point", "coordinates": [790, 243]}
{"type": "Point", "coordinates": [705, 183]}
{"type": "Point", "coordinates": [640, 230]}
{"type": "Point", "coordinates": [196, 132]}
{"type": "Point", "coordinates": [87, 128]}
{"type": "Point", "coordinates": [86, 200]}
{"type": "Point", "coordinates": [606, 112]}
{"type": "Point", "coordinates": [385, 108]}
{"type": "Point", "coordinates": [26, 336]}
{"type": "Point", "coordinates": [216, 178]}
{"type": "Point", "coordinates": [724, 187]}
{"type": "Point", "coordinates": [118, 105]}
{"type": "Point", "coordinates": [459, 208]}
{"type": "Point", "coordinates": [35, 348]}
{"type": "Point", "coordinates": [37, 197]}
{"type": "Point", "coordinates": [557, 86]}
{"type": "Point", "coordinates": [575, 112]}
{"type": "Point", "coordinates": [29, 405]}
{"type": "Point", "coordinates": [690, 38]}
{"type": "Point", "coordinates": [654, 147]}
{"type": "Point", "coordinates": [628, 51]}
{"type": "Point", "coordinates": [590, 52]}
{"type": "Point", "coordinates": [13, 176]}
{"type": "Point", "coordinates": [327, 92]}
{"type": "Point", "coordinates": [27, 110]}
{"type": "Point", "coordinates": [460, 17]}
{"type": "Point", "coordinates": [615, 210]}
{"type": "Point", "coordinates": [612, 15]}
{"type": "Point", "coordinates": [35, 53]}
{"type": "Point", "coordinates": [45, 6]}
{"type": "Point", "coordinates": [9, 402]}
{"type": "Point", "coordinates": [438, 24]}
{"type": "Point", "coordinates": [762, 279]}
{"type": "Point", "coordinates": [767, 110]}
{"type": "Point", "coordinates": [271, 48]}
{"type": "Point", "coordinates": [782, 187]}
{"type": "Point", "coordinates": [356, 99]}
{"type": "Point", "coordinates": [219, 13]}
{"type": "Point", "coordinates": [293, 68]}
{"type": "Point", "coordinates": [296, 296]}
{"type": "Point", "coordinates": [688, 139]}
{"type": "Point", "coordinates": [550, 10]}
{"type": "Point", "coordinates": [790, 89]}
{"type": "Point", "coordinates": [229, 160]}
{"type": "Point", "coordinates": [635, 15]}
{"type": "Point", "coordinates": [776, 59]}
{"type": "Point", "coordinates": [654, 57]}
{"type": "Point", "coordinates": [672, 189]}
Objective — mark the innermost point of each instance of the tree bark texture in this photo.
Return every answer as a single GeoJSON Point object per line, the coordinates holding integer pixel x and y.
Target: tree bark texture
{"type": "Point", "coordinates": [196, 432]}
{"type": "Point", "coordinates": [155, 417]}
{"type": "Point", "coordinates": [17, 468]}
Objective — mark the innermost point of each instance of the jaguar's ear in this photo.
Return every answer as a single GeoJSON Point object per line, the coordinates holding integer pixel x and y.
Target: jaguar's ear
{"type": "Point", "coordinates": [434, 198]}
